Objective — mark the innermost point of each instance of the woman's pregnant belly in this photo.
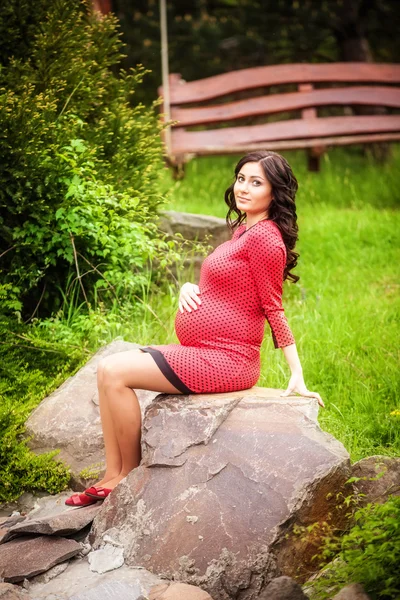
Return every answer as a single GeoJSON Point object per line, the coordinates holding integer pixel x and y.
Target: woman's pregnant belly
{"type": "Point", "coordinates": [218, 322]}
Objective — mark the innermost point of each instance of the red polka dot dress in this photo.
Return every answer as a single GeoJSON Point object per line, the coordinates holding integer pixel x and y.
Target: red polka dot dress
{"type": "Point", "coordinates": [241, 287]}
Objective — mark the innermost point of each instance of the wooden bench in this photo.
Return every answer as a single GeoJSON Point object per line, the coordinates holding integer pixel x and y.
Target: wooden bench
{"type": "Point", "coordinates": [216, 127]}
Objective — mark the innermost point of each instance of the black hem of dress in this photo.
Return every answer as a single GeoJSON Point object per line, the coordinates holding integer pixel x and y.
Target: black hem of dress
{"type": "Point", "coordinates": [167, 370]}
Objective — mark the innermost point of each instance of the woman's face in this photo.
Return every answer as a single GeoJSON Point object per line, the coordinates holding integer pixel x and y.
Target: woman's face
{"type": "Point", "coordinates": [253, 191]}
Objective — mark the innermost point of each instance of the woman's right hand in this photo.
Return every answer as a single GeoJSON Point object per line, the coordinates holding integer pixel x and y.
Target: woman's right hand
{"type": "Point", "coordinates": [188, 297]}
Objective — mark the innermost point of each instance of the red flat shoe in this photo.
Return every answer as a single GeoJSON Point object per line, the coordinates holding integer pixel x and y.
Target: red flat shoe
{"type": "Point", "coordinates": [99, 493]}
{"type": "Point", "coordinates": [79, 500]}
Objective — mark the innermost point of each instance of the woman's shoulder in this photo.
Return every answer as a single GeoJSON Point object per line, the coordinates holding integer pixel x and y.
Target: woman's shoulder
{"type": "Point", "coordinates": [266, 230]}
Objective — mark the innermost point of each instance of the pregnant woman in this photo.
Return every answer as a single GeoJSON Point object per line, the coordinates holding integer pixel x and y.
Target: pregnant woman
{"type": "Point", "coordinates": [220, 322]}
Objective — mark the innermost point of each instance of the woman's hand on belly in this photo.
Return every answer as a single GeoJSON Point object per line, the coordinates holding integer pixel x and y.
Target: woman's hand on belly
{"type": "Point", "coordinates": [188, 298]}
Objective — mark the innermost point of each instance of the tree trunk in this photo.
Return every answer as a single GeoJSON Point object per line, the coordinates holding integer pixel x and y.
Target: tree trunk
{"type": "Point", "coordinates": [350, 33]}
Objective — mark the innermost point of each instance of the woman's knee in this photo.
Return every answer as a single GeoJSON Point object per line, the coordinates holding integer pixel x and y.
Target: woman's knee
{"type": "Point", "coordinates": [100, 371]}
{"type": "Point", "coordinates": [112, 373]}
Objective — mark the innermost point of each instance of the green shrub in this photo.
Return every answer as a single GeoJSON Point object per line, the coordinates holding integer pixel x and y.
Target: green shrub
{"type": "Point", "coordinates": [30, 369]}
{"type": "Point", "coordinates": [79, 162]}
{"type": "Point", "coordinates": [368, 554]}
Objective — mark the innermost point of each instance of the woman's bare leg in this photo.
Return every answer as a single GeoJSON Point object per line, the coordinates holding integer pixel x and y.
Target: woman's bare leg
{"type": "Point", "coordinates": [111, 446]}
{"type": "Point", "coordinates": [120, 410]}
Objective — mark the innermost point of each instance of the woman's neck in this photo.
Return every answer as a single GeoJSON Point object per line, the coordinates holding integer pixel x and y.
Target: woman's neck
{"type": "Point", "coordinates": [252, 222]}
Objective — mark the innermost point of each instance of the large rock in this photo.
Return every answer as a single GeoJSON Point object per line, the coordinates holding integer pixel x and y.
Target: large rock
{"type": "Point", "coordinates": [195, 227]}
{"type": "Point", "coordinates": [69, 419]}
{"type": "Point", "coordinates": [223, 481]}
{"type": "Point", "coordinates": [26, 557]}
{"type": "Point", "coordinates": [378, 478]}
{"type": "Point", "coordinates": [212, 231]}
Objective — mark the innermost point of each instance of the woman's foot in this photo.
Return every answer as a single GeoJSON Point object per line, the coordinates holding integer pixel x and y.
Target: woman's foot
{"type": "Point", "coordinates": [110, 483]}
{"type": "Point", "coordinates": [103, 488]}
{"type": "Point", "coordinates": [80, 500]}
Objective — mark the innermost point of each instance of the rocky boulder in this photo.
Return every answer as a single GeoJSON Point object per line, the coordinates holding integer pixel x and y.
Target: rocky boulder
{"type": "Point", "coordinates": [283, 588]}
{"type": "Point", "coordinates": [212, 231]}
{"type": "Point", "coordinates": [195, 227]}
{"type": "Point", "coordinates": [223, 481]}
{"type": "Point", "coordinates": [69, 420]}
{"type": "Point", "coordinates": [354, 591]}
{"type": "Point", "coordinates": [378, 478]}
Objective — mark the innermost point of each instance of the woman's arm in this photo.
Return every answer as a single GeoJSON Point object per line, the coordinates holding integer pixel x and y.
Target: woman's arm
{"type": "Point", "coordinates": [296, 383]}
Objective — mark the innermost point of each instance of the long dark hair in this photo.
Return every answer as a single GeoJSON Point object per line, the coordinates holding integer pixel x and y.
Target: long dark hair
{"type": "Point", "coordinates": [282, 210]}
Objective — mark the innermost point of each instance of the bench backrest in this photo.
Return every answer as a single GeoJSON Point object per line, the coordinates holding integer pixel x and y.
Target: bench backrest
{"type": "Point", "coordinates": [381, 90]}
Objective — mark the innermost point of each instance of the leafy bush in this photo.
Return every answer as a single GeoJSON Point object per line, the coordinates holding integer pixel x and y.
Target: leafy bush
{"type": "Point", "coordinates": [79, 163]}
{"type": "Point", "coordinates": [29, 370]}
{"type": "Point", "coordinates": [368, 554]}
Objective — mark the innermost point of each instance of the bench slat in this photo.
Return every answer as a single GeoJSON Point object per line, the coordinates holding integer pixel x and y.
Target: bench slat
{"type": "Point", "coordinates": [245, 79]}
{"type": "Point", "coordinates": [220, 140]}
{"type": "Point", "coordinates": [275, 103]}
{"type": "Point", "coordinates": [300, 144]}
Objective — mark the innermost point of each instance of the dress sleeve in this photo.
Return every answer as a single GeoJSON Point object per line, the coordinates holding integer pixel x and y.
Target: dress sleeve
{"type": "Point", "coordinates": [267, 260]}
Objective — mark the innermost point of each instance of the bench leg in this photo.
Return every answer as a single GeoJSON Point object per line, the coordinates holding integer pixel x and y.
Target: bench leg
{"type": "Point", "coordinates": [178, 170]}
{"type": "Point", "coordinates": [313, 157]}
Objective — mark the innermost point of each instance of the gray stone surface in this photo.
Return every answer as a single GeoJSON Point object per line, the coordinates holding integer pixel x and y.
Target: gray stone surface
{"type": "Point", "coordinates": [12, 592]}
{"type": "Point", "coordinates": [195, 227]}
{"type": "Point", "coordinates": [105, 559]}
{"type": "Point", "coordinates": [29, 556]}
{"type": "Point", "coordinates": [63, 524]}
{"type": "Point", "coordinates": [223, 480]}
{"type": "Point", "coordinates": [379, 478]}
{"type": "Point", "coordinates": [69, 419]}
{"type": "Point", "coordinates": [78, 579]}
{"type": "Point", "coordinates": [112, 591]}
{"type": "Point", "coordinates": [354, 591]}
{"type": "Point", "coordinates": [282, 588]}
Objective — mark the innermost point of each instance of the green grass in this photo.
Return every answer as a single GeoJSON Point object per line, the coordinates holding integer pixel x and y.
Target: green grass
{"type": "Point", "coordinates": [344, 310]}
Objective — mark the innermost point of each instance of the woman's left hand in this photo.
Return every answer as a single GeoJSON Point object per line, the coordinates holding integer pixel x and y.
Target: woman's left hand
{"type": "Point", "coordinates": [297, 385]}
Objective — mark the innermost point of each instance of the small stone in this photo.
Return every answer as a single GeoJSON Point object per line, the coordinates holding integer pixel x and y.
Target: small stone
{"type": "Point", "coordinates": [64, 523]}
{"type": "Point", "coordinates": [86, 548]}
{"type": "Point", "coordinates": [106, 559]}
{"type": "Point", "coordinates": [192, 519]}
{"type": "Point", "coordinates": [354, 591]}
{"type": "Point", "coordinates": [177, 591]}
{"type": "Point", "coordinates": [282, 588]}
{"type": "Point", "coordinates": [52, 573]}
{"type": "Point", "coordinates": [26, 557]}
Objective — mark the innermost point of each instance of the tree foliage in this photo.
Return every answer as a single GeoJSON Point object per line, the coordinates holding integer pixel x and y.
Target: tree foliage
{"type": "Point", "coordinates": [369, 553]}
{"type": "Point", "coordinates": [78, 158]}
{"type": "Point", "coordinates": [210, 37]}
